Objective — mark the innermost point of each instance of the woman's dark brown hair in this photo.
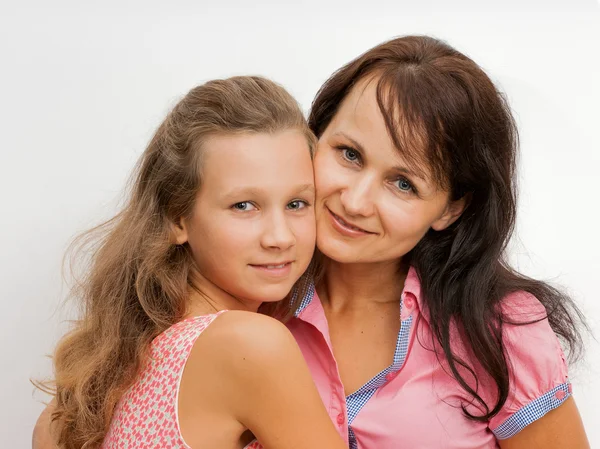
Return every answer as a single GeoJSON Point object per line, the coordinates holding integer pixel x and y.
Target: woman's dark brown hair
{"type": "Point", "coordinates": [430, 93]}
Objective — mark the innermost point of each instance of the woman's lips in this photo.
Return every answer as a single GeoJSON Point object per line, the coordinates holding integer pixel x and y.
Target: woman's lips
{"type": "Point", "coordinates": [346, 228]}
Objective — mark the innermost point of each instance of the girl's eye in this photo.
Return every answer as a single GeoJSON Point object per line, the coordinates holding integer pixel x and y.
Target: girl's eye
{"type": "Point", "coordinates": [404, 185]}
{"type": "Point", "coordinates": [297, 205]}
{"type": "Point", "coordinates": [244, 206]}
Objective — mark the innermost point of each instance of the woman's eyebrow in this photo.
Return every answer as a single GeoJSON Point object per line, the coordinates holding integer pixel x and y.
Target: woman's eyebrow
{"type": "Point", "coordinates": [416, 172]}
{"type": "Point", "coordinates": [354, 142]}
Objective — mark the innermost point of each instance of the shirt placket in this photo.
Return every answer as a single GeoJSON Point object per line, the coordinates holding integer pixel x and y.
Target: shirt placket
{"type": "Point", "coordinates": [357, 400]}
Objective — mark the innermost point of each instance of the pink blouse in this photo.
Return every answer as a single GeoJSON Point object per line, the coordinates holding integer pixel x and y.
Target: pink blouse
{"type": "Point", "coordinates": [415, 403]}
{"type": "Point", "coordinates": [146, 416]}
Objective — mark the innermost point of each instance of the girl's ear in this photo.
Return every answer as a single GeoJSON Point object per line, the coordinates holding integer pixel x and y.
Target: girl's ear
{"type": "Point", "coordinates": [179, 231]}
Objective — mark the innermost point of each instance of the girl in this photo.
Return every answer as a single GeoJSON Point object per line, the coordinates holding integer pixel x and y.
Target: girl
{"type": "Point", "coordinates": [220, 219]}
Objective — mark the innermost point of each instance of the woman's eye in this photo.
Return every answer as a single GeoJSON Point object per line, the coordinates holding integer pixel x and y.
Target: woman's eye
{"type": "Point", "coordinates": [297, 204]}
{"type": "Point", "coordinates": [244, 206]}
{"type": "Point", "coordinates": [350, 154]}
{"type": "Point", "coordinates": [404, 185]}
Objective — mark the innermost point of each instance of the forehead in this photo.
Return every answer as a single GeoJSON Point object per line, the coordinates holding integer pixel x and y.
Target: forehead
{"type": "Point", "coordinates": [360, 111]}
{"type": "Point", "coordinates": [256, 159]}
{"type": "Point", "coordinates": [360, 118]}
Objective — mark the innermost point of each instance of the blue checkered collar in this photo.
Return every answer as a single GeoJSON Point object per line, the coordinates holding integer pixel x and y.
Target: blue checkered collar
{"type": "Point", "coordinates": [412, 288]}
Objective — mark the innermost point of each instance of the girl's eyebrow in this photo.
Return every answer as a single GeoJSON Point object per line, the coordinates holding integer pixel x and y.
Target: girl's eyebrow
{"type": "Point", "coordinates": [245, 191]}
{"type": "Point", "coordinates": [305, 188]}
{"type": "Point", "coordinates": [241, 191]}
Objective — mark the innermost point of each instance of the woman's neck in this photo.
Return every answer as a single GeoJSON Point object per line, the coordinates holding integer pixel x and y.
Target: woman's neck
{"type": "Point", "coordinates": [356, 286]}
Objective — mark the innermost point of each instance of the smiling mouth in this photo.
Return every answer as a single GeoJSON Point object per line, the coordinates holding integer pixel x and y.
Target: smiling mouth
{"type": "Point", "coordinates": [272, 267]}
{"type": "Point", "coordinates": [277, 270]}
{"type": "Point", "coordinates": [347, 225]}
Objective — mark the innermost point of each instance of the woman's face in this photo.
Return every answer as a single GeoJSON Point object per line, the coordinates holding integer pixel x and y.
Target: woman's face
{"type": "Point", "coordinates": [372, 206]}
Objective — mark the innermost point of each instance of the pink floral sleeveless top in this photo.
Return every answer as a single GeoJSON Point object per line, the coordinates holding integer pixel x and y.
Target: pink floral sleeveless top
{"type": "Point", "coordinates": [146, 416]}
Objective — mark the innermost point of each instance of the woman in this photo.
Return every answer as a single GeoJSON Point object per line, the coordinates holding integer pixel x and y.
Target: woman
{"type": "Point", "coordinates": [417, 332]}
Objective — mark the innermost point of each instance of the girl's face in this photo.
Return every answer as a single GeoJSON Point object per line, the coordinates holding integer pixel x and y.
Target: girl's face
{"type": "Point", "coordinates": [252, 232]}
{"type": "Point", "coordinates": [372, 206]}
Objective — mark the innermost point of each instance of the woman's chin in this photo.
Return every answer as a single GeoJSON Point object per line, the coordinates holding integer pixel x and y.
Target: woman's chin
{"type": "Point", "coordinates": [337, 250]}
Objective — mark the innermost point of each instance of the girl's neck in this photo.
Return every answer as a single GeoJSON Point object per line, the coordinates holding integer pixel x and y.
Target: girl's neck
{"type": "Point", "coordinates": [207, 298]}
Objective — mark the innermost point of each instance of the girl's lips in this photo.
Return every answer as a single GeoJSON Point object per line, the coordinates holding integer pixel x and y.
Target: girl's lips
{"type": "Point", "coordinates": [276, 270]}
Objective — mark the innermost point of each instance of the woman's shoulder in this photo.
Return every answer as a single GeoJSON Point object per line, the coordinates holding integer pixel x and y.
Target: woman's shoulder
{"type": "Point", "coordinates": [536, 362]}
{"type": "Point", "coordinates": [527, 334]}
{"type": "Point", "coordinates": [522, 307]}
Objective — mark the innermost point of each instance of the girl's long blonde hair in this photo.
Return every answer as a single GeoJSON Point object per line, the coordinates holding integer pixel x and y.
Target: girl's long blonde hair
{"type": "Point", "coordinates": [137, 281]}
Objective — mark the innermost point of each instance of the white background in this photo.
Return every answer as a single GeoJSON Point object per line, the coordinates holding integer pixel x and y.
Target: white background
{"type": "Point", "coordinates": [82, 89]}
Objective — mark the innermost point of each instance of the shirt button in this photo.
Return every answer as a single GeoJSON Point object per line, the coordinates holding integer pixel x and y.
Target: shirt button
{"type": "Point", "coordinates": [409, 302]}
{"type": "Point", "coordinates": [340, 419]}
{"type": "Point", "coordinates": [560, 395]}
{"type": "Point", "coordinates": [390, 376]}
